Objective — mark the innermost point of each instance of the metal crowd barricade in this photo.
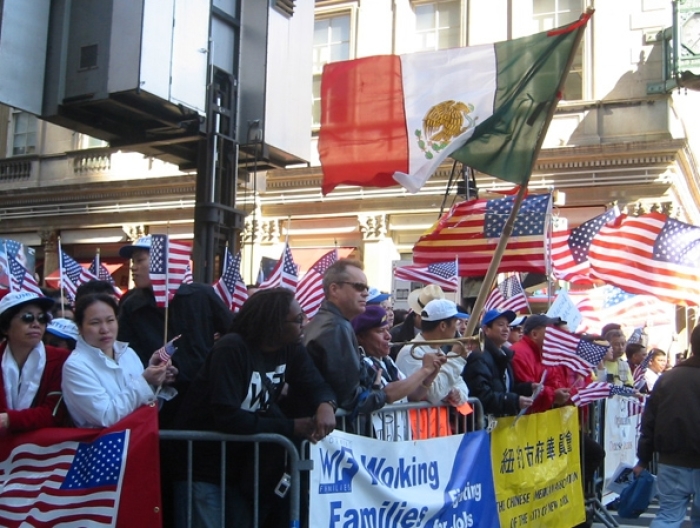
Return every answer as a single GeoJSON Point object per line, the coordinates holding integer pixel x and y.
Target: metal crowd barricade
{"type": "Point", "coordinates": [593, 424]}
{"type": "Point", "coordinates": [423, 418]}
{"type": "Point", "coordinates": [294, 466]}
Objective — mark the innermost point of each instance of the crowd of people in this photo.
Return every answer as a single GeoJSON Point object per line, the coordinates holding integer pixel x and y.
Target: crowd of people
{"type": "Point", "coordinates": [268, 369]}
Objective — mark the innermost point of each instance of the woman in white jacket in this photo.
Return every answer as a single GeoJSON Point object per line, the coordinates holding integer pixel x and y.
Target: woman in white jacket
{"type": "Point", "coordinates": [103, 379]}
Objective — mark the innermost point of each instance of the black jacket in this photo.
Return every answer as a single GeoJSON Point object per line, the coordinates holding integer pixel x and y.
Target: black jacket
{"type": "Point", "coordinates": [485, 376]}
{"type": "Point", "coordinates": [195, 312]}
{"type": "Point", "coordinates": [671, 419]}
{"type": "Point", "coordinates": [228, 396]}
{"type": "Point", "coordinates": [402, 333]}
{"type": "Point", "coordinates": [332, 345]}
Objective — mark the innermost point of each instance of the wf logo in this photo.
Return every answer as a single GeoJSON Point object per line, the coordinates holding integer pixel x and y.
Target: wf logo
{"type": "Point", "coordinates": [337, 471]}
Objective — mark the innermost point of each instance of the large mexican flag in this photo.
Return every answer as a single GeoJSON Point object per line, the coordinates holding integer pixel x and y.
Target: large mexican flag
{"type": "Point", "coordinates": [396, 118]}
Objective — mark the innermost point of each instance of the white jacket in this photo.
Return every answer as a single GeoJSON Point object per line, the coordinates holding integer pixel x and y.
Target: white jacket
{"type": "Point", "coordinates": [100, 391]}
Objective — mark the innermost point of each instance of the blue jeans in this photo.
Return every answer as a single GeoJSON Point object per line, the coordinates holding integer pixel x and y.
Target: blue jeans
{"type": "Point", "coordinates": [206, 506]}
{"type": "Point", "coordinates": [677, 485]}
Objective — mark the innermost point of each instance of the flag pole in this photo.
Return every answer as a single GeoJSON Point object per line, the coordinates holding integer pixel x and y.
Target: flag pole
{"type": "Point", "coordinates": [97, 263]}
{"type": "Point", "coordinates": [60, 275]}
{"type": "Point", "coordinates": [510, 223]}
{"type": "Point", "coordinates": [167, 283]}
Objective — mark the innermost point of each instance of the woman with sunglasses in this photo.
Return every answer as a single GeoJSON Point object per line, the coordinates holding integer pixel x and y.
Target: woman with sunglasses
{"type": "Point", "coordinates": [103, 379]}
{"type": "Point", "coordinates": [30, 380]}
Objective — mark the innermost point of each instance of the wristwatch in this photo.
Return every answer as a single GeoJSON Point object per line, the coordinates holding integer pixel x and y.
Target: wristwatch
{"type": "Point", "coordinates": [333, 404]}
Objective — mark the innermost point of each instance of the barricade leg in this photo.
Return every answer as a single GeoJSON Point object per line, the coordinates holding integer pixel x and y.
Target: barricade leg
{"type": "Point", "coordinates": [593, 429]}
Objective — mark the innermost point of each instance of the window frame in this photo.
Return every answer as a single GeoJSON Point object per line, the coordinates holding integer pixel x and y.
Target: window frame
{"type": "Point", "coordinates": [586, 49]}
{"type": "Point", "coordinates": [463, 18]}
{"type": "Point", "coordinates": [334, 10]}
{"type": "Point", "coordinates": [12, 133]}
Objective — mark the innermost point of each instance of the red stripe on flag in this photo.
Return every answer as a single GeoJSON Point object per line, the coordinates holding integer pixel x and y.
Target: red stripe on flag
{"type": "Point", "coordinates": [363, 138]}
{"type": "Point", "coordinates": [624, 254]}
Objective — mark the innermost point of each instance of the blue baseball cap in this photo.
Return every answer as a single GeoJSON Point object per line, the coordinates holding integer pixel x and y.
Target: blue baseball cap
{"type": "Point", "coordinates": [494, 314]}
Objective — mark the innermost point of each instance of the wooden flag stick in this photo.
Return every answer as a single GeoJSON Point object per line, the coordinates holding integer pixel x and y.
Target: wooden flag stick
{"type": "Point", "coordinates": [493, 267]}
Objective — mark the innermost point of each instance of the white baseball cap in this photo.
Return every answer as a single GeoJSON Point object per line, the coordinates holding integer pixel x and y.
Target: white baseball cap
{"type": "Point", "coordinates": [441, 309]}
{"type": "Point", "coordinates": [19, 298]}
{"type": "Point", "coordinates": [63, 328]}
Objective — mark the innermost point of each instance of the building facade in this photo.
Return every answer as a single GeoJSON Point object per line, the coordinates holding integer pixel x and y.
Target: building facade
{"type": "Point", "coordinates": [612, 139]}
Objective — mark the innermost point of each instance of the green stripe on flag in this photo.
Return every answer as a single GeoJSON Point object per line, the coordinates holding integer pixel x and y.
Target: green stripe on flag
{"type": "Point", "coordinates": [530, 71]}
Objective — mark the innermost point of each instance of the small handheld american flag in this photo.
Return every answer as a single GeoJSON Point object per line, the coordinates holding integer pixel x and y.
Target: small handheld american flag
{"type": "Point", "coordinates": [166, 352]}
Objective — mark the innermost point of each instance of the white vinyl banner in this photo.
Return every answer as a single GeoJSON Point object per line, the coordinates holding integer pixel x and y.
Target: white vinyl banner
{"type": "Point", "coordinates": [622, 420]}
{"type": "Point", "coordinates": [437, 483]}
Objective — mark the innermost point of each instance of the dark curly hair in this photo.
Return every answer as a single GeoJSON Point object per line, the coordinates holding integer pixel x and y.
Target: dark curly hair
{"type": "Point", "coordinates": [262, 317]}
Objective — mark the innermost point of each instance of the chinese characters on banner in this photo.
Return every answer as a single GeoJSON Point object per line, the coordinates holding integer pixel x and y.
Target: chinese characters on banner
{"type": "Point", "coordinates": [537, 470]}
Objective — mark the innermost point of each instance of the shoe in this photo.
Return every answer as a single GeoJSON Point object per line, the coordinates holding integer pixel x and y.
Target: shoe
{"type": "Point", "coordinates": [614, 505]}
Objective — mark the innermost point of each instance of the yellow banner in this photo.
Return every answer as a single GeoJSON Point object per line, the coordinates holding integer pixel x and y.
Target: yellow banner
{"type": "Point", "coordinates": [537, 470]}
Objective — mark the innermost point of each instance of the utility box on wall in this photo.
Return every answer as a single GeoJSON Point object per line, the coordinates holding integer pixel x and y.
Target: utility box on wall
{"type": "Point", "coordinates": [132, 72]}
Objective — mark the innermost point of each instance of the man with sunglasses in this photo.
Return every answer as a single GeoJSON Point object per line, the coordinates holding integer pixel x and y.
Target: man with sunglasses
{"type": "Point", "coordinates": [331, 341]}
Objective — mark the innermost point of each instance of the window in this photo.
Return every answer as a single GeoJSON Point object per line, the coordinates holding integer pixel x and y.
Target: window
{"type": "Point", "coordinates": [332, 42]}
{"type": "Point", "coordinates": [23, 133]}
{"type": "Point", "coordinates": [543, 15]}
{"type": "Point", "coordinates": [438, 25]}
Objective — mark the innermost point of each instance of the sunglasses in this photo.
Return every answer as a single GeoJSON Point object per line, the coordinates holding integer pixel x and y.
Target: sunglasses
{"type": "Point", "coordinates": [29, 318]}
{"type": "Point", "coordinates": [357, 286]}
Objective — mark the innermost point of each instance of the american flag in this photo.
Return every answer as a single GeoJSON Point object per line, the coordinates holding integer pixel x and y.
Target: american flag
{"type": "Point", "coordinates": [310, 290]}
{"type": "Point", "coordinates": [609, 303]}
{"type": "Point", "coordinates": [73, 275]}
{"type": "Point", "coordinates": [570, 248]}
{"type": "Point", "coordinates": [169, 262]}
{"type": "Point", "coordinates": [599, 390]}
{"type": "Point", "coordinates": [102, 273]}
{"type": "Point", "coordinates": [20, 278]}
{"type": "Point", "coordinates": [285, 274]}
{"type": "Point", "coordinates": [188, 278]}
{"type": "Point", "coordinates": [508, 295]}
{"type": "Point", "coordinates": [230, 286]}
{"type": "Point", "coordinates": [639, 374]}
{"type": "Point", "coordinates": [82, 477]}
{"type": "Point", "coordinates": [444, 274]}
{"type": "Point", "coordinates": [470, 232]}
{"type": "Point", "coordinates": [570, 350]}
{"type": "Point", "coordinates": [165, 353]}
{"type": "Point", "coordinates": [99, 270]}
{"type": "Point", "coordinates": [649, 254]}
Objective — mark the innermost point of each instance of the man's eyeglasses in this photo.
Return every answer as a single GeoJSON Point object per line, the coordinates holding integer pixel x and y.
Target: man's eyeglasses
{"type": "Point", "coordinates": [29, 318]}
{"type": "Point", "coordinates": [357, 286]}
{"type": "Point", "coordinates": [517, 328]}
{"type": "Point", "coordinates": [299, 319]}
